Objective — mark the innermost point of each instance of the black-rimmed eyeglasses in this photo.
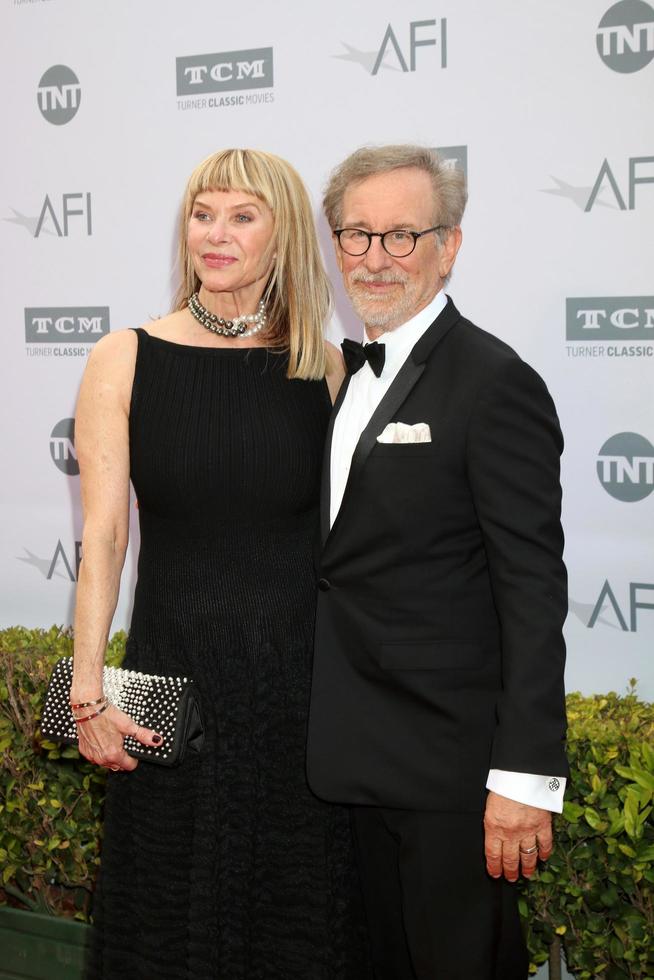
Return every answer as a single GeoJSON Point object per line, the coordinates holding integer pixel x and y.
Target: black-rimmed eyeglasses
{"type": "Point", "coordinates": [398, 243]}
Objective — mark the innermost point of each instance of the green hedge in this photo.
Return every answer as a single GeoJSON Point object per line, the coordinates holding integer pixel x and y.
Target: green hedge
{"type": "Point", "coordinates": [50, 799]}
{"type": "Point", "coordinates": [595, 895]}
{"type": "Point", "coordinates": [596, 892]}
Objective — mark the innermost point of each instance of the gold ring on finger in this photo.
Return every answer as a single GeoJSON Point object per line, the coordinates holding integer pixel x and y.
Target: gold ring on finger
{"type": "Point", "coordinates": [529, 850]}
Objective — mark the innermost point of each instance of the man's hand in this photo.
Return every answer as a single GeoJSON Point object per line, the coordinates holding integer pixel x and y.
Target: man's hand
{"type": "Point", "coordinates": [512, 829]}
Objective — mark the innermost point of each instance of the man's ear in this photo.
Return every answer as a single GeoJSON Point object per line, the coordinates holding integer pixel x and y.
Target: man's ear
{"type": "Point", "coordinates": [448, 251]}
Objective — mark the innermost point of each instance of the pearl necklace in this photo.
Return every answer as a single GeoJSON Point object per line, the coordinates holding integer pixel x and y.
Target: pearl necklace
{"type": "Point", "coordinates": [228, 328]}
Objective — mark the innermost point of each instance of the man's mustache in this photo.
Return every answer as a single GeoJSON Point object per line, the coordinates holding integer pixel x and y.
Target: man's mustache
{"type": "Point", "coordinates": [362, 275]}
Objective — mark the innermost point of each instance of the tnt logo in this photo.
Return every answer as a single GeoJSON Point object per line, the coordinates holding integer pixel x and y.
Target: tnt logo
{"type": "Point", "coordinates": [625, 36]}
{"type": "Point", "coordinates": [62, 447]}
{"type": "Point", "coordinates": [59, 95]}
{"type": "Point", "coordinates": [625, 467]}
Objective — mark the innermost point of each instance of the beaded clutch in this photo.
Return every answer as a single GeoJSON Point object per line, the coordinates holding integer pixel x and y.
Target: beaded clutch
{"type": "Point", "coordinates": [166, 704]}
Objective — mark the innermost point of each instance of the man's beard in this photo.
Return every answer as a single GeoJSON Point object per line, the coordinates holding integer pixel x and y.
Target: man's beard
{"type": "Point", "coordinates": [382, 312]}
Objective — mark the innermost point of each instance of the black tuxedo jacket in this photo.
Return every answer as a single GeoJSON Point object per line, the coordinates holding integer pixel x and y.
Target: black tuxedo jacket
{"type": "Point", "coordinates": [439, 650]}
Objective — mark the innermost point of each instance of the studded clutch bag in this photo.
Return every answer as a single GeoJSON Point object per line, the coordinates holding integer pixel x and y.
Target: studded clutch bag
{"type": "Point", "coordinates": [166, 704]}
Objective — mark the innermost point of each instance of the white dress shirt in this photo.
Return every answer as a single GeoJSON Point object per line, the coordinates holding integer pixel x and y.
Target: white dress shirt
{"type": "Point", "coordinates": [364, 393]}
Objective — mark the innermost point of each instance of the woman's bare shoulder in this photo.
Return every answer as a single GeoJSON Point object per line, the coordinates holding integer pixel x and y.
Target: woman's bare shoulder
{"type": "Point", "coordinates": [114, 349]}
{"type": "Point", "coordinates": [110, 368]}
{"type": "Point", "coordinates": [170, 327]}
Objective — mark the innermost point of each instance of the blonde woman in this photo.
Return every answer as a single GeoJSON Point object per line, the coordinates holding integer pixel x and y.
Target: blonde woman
{"type": "Point", "coordinates": [226, 867]}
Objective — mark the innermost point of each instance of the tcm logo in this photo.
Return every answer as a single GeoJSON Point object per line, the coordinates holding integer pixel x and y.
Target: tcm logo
{"type": "Point", "coordinates": [625, 36]}
{"type": "Point", "coordinates": [60, 564]}
{"type": "Point", "coordinates": [625, 467]}
{"type": "Point", "coordinates": [62, 447]}
{"type": "Point", "coordinates": [610, 318]}
{"type": "Point", "coordinates": [640, 171]}
{"type": "Point", "coordinates": [65, 324]}
{"type": "Point", "coordinates": [398, 50]}
{"type": "Point", "coordinates": [456, 157]}
{"type": "Point", "coordinates": [608, 611]}
{"type": "Point", "coordinates": [226, 72]}
{"type": "Point", "coordinates": [59, 95]}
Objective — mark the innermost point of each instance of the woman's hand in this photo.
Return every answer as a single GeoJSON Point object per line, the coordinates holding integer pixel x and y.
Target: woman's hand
{"type": "Point", "coordinates": [101, 739]}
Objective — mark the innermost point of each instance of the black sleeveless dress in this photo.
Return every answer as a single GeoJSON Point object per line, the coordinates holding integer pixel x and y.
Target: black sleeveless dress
{"type": "Point", "coordinates": [227, 868]}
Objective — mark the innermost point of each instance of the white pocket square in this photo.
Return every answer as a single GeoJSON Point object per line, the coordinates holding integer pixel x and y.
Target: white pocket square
{"type": "Point", "coordinates": [396, 432]}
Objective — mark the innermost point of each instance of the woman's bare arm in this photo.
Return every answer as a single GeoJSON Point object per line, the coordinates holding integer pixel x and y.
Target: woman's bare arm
{"type": "Point", "coordinates": [102, 444]}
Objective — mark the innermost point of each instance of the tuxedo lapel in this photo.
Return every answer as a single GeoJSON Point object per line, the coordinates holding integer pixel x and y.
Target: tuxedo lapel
{"type": "Point", "coordinates": [396, 395]}
{"type": "Point", "coordinates": [326, 483]}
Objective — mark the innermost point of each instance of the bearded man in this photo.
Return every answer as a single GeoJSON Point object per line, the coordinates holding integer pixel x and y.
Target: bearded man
{"type": "Point", "coordinates": [438, 706]}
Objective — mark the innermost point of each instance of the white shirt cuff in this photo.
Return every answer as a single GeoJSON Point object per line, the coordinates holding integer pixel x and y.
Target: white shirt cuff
{"type": "Point", "coordinates": [545, 792]}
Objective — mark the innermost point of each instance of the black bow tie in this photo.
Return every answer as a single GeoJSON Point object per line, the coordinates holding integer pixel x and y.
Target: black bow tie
{"type": "Point", "coordinates": [356, 355]}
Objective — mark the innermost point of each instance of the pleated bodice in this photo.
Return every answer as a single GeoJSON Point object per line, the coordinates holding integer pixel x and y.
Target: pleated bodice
{"type": "Point", "coordinates": [225, 461]}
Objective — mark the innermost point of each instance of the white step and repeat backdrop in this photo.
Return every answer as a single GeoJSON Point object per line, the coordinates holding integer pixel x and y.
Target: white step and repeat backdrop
{"type": "Point", "coordinates": [108, 106]}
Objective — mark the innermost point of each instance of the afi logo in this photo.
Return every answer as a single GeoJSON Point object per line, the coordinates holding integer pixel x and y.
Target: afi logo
{"type": "Point", "coordinates": [61, 562]}
{"type": "Point", "coordinates": [608, 599]}
{"type": "Point", "coordinates": [62, 447]}
{"type": "Point", "coordinates": [59, 95]}
{"type": "Point", "coordinates": [415, 42]}
{"type": "Point", "coordinates": [641, 171]}
{"type": "Point", "coordinates": [400, 49]}
{"type": "Point", "coordinates": [65, 324]}
{"type": "Point", "coordinates": [59, 218]}
{"type": "Point", "coordinates": [625, 36]}
{"type": "Point", "coordinates": [625, 467]}
{"type": "Point", "coordinates": [59, 565]}
{"type": "Point", "coordinates": [610, 318]}
{"type": "Point", "coordinates": [635, 177]}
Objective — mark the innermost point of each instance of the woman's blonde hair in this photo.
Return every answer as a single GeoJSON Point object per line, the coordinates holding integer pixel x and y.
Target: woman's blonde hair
{"type": "Point", "coordinates": [297, 295]}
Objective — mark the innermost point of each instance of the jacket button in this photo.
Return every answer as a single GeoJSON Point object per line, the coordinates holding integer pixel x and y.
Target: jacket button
{"type": "Point", "coordinates": [324, 584]}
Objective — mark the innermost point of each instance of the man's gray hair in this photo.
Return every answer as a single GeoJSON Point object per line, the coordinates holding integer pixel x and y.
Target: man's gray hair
{"type": "Point", "coordinates": [449, 184]}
